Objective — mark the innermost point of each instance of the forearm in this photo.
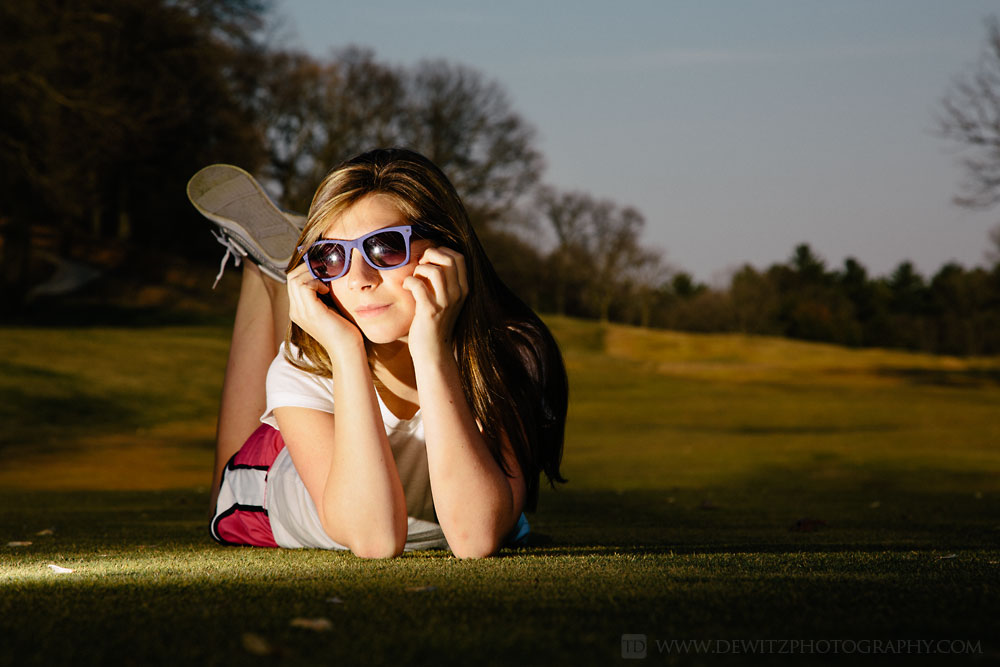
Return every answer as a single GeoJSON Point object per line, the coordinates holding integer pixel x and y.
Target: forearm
{"type": "Point", "coordinates": [363, 500]}
{"type": "Point", "coordinates": [472, 494]}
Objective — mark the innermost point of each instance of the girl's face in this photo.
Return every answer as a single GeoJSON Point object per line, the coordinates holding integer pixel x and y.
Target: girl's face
{"type": "Point", "coordinates": [374, 300]}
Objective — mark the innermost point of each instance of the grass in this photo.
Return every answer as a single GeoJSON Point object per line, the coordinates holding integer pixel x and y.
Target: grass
{"type": "Point", "coordinates": [721, 487]}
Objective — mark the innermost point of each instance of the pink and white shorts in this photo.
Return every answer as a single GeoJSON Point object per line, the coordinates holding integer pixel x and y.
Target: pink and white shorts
{"type": "Point", "coordinates": [240, 513]}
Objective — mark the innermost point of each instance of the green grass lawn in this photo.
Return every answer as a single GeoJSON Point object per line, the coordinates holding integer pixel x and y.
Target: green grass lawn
{"type": "Point", "coordinates": [721, 488]}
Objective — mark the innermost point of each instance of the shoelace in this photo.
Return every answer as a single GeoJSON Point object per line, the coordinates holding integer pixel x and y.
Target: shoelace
{"type": "Point", "coordinates": [232, 250]}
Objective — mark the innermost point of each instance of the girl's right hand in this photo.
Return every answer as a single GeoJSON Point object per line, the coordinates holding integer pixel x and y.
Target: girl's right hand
{"type": "Point", "coordinates": [306, 309]}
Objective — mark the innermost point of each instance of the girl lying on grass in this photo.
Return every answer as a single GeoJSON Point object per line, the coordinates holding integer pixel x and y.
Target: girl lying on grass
{"type": "Point", "coordinates": [414, 399]}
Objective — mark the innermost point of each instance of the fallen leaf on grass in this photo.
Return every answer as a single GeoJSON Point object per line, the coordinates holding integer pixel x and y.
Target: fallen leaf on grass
{"type": "Point", "coordinates": [59, 570]}
{"type": "Point", "coordinates": [948, 556]}
{"type": "Point", "coordinates": [807, 525]}
{"type": "Point", "coordinates": [47, 531]}
{"type": "Point", "coordinates": [335, 600]}
{"type": "Point", "coordinates": [421, 589]}
{"type": "Point", "coordinates": [256, 644]}
{"type": "Point", "coordinates": [317, 624]}
{"type": "Point", "coordinates": [19, 544]}
{"type": "Point", "coordinates": [873, 504]}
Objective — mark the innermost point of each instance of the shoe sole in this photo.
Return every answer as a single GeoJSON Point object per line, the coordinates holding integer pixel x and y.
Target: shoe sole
{"type": "Point", "coordinates": [234, 200]}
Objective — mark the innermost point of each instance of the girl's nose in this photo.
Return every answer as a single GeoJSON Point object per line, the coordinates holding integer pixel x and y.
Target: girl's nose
{"type": "Point", "coordinates": [360, 275]}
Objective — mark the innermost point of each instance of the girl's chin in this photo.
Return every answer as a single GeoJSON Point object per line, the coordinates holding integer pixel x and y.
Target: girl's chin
{"type": "Point", "coordinates": [378, 336]}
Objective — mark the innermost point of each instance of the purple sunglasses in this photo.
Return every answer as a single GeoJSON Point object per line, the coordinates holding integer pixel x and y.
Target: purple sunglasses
{"type": "Point", "coordinates": [383, 249]}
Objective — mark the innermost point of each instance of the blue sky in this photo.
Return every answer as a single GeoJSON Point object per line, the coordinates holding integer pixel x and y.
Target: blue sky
{"type": "Point", "coordinates": [739, 129]}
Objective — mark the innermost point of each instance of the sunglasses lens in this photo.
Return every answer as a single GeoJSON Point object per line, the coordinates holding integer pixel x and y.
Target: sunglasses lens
{"type": "Point", "coordinates": [326, 260]}
{"type": "Point", "coordinates": [386, 250]}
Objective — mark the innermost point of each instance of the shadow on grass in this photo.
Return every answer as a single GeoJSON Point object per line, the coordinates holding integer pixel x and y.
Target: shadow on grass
{"type": "Point", "coordinates": [38, 405]}
{"type": "Point", "coordinates": [95, 313]}
{"type": "Point", "coordinates": [795, 429]}
{"type": "Point", "coordinates": [970, 377]}
{"type": "Point", "coordinates": [826, 507]}
{"type": "Point", "coordinates": [714, 562]}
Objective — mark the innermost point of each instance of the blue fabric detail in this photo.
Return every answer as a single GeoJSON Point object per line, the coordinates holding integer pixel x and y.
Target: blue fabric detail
{"type": "Point", "coordinates": [520, 532]}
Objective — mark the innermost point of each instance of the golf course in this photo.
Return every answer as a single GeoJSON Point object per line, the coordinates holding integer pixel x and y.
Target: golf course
{"type": "Point", "coordinates": [722, 488]}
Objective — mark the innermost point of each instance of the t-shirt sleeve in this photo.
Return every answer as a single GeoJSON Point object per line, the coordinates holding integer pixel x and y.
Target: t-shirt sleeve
{"type": "Point", "coordinates": [288, 386]}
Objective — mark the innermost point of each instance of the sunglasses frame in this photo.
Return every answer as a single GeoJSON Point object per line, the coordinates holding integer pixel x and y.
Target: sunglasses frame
{"type": "Point", "coordinates": [350, 245]}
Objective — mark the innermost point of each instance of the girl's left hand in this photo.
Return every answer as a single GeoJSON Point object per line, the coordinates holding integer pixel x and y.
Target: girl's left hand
{"type": "Point", "coordinates": [439, 285]}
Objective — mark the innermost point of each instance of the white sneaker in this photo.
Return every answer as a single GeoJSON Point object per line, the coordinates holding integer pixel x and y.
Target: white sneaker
{"type": "Point", "coordinates": [250, 223]}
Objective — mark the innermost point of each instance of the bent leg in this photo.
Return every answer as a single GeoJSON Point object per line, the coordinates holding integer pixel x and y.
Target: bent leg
{"type": "Point", "coordinates": [259, 328]}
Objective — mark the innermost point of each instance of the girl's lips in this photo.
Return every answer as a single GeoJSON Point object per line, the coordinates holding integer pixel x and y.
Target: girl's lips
{"type": "Point", "coordinates": [370, 311]}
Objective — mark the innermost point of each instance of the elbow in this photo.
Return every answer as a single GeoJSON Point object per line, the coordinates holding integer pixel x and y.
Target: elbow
{"type": "Point", "coordinates": [375, 547]}
{"type": "Point", "coordinates": [369, 543]}
{"type": "Point", "coordinates": [480, 540]}
{"type": "Point", "coordinates": [472, 554]}
{"type": "Point", "coordinates": [475, 547]}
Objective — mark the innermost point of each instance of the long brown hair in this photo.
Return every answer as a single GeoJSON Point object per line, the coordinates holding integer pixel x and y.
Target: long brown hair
{"type": "Point", "coordinates": [512, 371]}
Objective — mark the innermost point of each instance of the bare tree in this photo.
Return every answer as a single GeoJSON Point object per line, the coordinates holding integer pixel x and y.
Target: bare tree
{"type": "Point", "coordinates": [597, 246]}
{"type": "Point", "coordinates": [614, 247]}
{"type": "Point", "coordinates": [465, 124]}
{"type": "Point", "coordinates": [993, 254]}
{"type": "Point", "coordinates": [970, 116]}
{"type": "Point", "coordinates": [649, 275]}
{"type": "Point", "coordinates": [289, 103]}
{"type": "Point", "coordinates": [567, 213]}
{"type": "Point", "coordinates": [318, 113]}
{"type": "Point", "coordinates": [364, 106]}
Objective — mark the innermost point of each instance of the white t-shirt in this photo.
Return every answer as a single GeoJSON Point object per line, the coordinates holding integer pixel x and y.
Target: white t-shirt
{"type": "Point", "coordinates": [292, 513]}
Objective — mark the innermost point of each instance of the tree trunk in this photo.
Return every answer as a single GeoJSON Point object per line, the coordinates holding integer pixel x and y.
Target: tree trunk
{"type": "Point", "coordinates": [15, 250]}
{"type": "Point", "coordinates": [124, 231]}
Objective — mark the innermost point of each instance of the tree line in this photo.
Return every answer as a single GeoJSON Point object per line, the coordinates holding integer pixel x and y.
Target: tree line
{"type": "Point", "coordinates": [110, 105]}
{"type": "Point", "coordinates": [955, 311]}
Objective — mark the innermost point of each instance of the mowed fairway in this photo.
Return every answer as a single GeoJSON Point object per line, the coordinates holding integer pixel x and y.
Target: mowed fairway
{"type": "Point", "coordinates": [721, 488]}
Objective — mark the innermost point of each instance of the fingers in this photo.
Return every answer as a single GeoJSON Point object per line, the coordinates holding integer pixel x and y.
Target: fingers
{"type": "Point", "coordinates": [421, 292]}
{"type": "Point", "coordinates": [300, 277]}
{"type": "Point", "coordinates": [442, 291]}
{"type": "Point", "coordinates": [444, 270]}
{"type": "Point", "coordinates": [305, 307]}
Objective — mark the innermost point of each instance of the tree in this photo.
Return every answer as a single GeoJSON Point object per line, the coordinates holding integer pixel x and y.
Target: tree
{"type": "Point", "coordinates": [684, 286]}
{"type": "Point", "coordinates": [364, 106]}
{"type": "Point", "coordinates": [288, 101]}
{"type": "Point", "coordinates": [614, 248]}
{"type": "Point", "coordinates": [649, 277]}
{"type": "Point", "coordinates": [108, 107]}
{"type": "Point", "coordinates": [319, 113]}
{"type": "Point", "coordinates": [812, 306]}
{"type": "Point", "coordinates": [809, 268]}
{"type": "Point", "coordinates": [970, 116]}
{"type": "Point", "coordinates": [464, 124]}
{"type": "Point", "coordinates": [755, 302]}
{"type": "Point", "coordinates": [908, 306]}
{"type": "Point", "coordinates": [567, 213]}
{"type": "Point", "coordinates": [993, 254]}
{"type": "Point", "coordinates": [597, 246]}
{"type": "Point", "coordinates": [909, 291]}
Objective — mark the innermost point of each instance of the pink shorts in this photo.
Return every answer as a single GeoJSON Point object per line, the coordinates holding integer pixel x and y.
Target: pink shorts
{"type": "Point", "coordinates": [240, 513]}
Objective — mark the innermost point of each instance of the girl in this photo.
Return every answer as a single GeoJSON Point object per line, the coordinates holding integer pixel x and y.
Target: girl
{"type": "Point", "coordinates": [414, 400]}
